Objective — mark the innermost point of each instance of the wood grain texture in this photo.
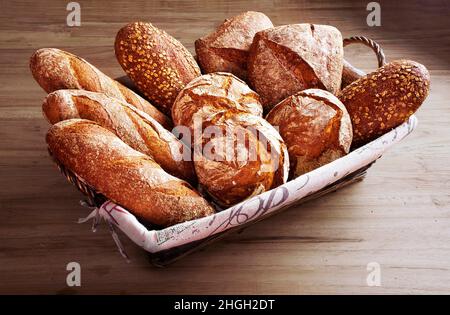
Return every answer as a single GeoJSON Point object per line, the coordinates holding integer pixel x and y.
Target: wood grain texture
{"type": "Point", "coordinates": [399, 216]}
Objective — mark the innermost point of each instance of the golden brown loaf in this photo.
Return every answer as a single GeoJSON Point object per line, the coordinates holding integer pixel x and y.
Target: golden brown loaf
{"type": "Point", "coordinates": [124, 175]}
{"type": "Point", "coordinates": [134, 127]}
{"type": "Point", "coordinates": [56, 69]}
{"type": "Point", "coordinates": [286, 59]}
{"type": "Point", "coordinates": [158, 64]}
{"type": "Point", "coordinates": [222, 101]}
{"type": "Point", "coordinates": [385, 98]}
{"type": "Point", "coordinates": [316, 128]}
{"type": "Point", "coordinates": [226, 49]}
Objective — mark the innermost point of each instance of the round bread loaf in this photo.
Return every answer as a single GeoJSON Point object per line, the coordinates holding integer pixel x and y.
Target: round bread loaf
{"type": "Point", "coordinates": [126, 176]}
{"type": "Point", "coordinates": [226, 49]}
{"type": "Point", "coordinates": [224, 115]}
{"type": "Point", "coordinates": [286, 59]}
{"type": "Point", "coordinates": [385, 98]}
{"type": "Point", "coordinates": [316, 128]}
{"type": "Point", "coordinates": [158, 64]}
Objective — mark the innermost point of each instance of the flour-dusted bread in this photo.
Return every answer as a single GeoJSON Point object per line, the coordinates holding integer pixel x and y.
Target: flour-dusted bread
{"type": "Point", "coordinates": [158, 64]}
{"type": "Point", "coordinates": [286, 59]}
{"type": "Point", "coordinates": [385, 98]}
{"type": "Point", "coordinates": [316, 128]}
{"type": "Point", "coordinates": [226, 49]}
{"type": "Point", "coordinates": [55, 69]}
{"type": "Point", "coordinates": [237, 154]}
{"type": "Point", "coordinates": [134, 127]}
{"type": "Point", "coordinates": [124, 175]}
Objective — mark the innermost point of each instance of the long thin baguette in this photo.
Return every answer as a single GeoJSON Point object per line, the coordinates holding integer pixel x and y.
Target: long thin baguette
{"type": "Point", "coordinates": [124, 175]}
{"type": "Point", "coordinates": [134, 127]}
{"type": "Point", "coordinates": [55, 69]}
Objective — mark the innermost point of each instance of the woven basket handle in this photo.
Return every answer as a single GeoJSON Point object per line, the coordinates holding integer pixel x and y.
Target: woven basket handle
{"type": "Point", "coordinates": [350, 73]}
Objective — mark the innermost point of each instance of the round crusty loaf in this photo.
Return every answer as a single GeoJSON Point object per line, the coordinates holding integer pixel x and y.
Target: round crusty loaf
{"type": "Point", "coordinates": [385, 98]}
{"type": "Point", "coordinates": [55, 69]}
{"type": "Point", "coordinates": [158, 64]}
{"type": "Point", "coordinates": [316, 128]}
{"type": "Point", "coordinates": [134, 127]}
{"type": "Point", "coordinates": [286, 59]}
{"type": "Point", "coordinates": [225, 103]}
{"type": "Point", "coordinates": [226, 49]}
{"type": "Point", "coordinates": [124, 175]}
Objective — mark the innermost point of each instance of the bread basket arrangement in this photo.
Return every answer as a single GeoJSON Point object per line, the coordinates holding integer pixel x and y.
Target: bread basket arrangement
{"type": "Point", "coordinates": [185, 150]}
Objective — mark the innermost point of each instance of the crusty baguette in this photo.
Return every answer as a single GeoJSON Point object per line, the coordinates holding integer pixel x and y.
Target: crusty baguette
{"type": "Point", "coordinates": [157, 63]}
{"type": "Point", "coordinates": [316, 128]}
{"type": "Point", "coordinates": [124, 175]}
{"type": "Point", "coordinates": [55, 69]}
{"type": "Point", "coordinates": [385, 98]}
{"type": "Point", "coordinates": [286, 59]}
{"type": "Point", "coordinates": [226, 103]}
{"type": "Point", "coordinates": [134, 127]}
{"type": "Point", "coordinates": [226, 49]}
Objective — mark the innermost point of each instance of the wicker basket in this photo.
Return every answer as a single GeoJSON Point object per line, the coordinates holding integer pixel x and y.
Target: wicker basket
{"type": "Point", "coordinates": [167, 256]}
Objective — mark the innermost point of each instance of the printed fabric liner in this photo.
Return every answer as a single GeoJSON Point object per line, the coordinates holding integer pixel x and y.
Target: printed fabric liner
{"type": "Point", "coordinates": [248, 210]}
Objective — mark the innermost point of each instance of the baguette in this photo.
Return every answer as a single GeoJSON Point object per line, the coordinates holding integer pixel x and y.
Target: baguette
{"type": "Point", "coordinates": [157, 63]}
{"type": "Point", "coordinates": [134, 127]}
{"type": "Point", "coordinates": [237, 154]}
{"type": "Point", "coordinates": [124, 175]}
{"type": "Point", "coordinates": [56, 69]}
{"type": "Point", "coordinates": [316, 128]}
{"type": "Point", "coordinates": [226, 49]}
{"type": "Point", "coordinates": [385, 98]}
{"type": "Point", "coordinates": [287, 59]}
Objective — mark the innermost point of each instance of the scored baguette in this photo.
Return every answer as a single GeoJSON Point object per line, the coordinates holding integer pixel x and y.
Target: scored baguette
{"type": "Point", "coordinates": [55, 69]}
{"type": "Point", "coordinates": [124, 175]}
{"type": "Point", "coordinates": [136, 128]}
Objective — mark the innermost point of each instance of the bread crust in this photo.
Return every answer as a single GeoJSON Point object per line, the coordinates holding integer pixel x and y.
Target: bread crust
{"type": "Point", "coordinates": [126, 176]}
{"type": "Point", "coordinates": [136, 128]}
{"type": "Point", "coordinates": [316, 128]}
{"type": "Point", "coordinates": [286, 59]}
{"type": "Point", "coordinates": [158, 64]}
{"type": "Point", "coordinates": [227, 103]}
{"type": "Point", "coordinates": [385, 98]}
{"type": "Point", "coordinates": [55, 69]}
{"type": "Point", "coordinates": [226, 49]}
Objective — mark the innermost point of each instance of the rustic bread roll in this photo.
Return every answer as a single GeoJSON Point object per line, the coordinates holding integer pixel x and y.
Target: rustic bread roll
{"type": "Point", "coordinates": [124, 175]}
{"type": "Point", "coordinates": [315, 127]}
{"type": "Point", "coordinates": [259, 159]}
{"type": "Point", "coordinates": [290, 58]}
{"type": "Point", "coordinates": [55, 69]}
{"type": "Point", "coordinates": [158, 64]}
{"type": "Point", "coordinates": [134, 127]}
{"type": "Point", "coordinates": [226, 49]}
{"type": "Point", "coordinates": [385, 98]}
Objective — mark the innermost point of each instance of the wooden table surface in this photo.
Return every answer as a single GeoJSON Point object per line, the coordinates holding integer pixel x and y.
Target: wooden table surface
{"type": "Point", "coordinates": [398, 217]}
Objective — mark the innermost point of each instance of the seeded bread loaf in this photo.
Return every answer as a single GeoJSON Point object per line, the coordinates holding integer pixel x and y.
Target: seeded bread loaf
{"type": "Point", "coordinates": [226, 49]}
{"type": "Point", "coordinates": [237, 154]}
{"type": "Point", "coordinates": [385, 98]}
{"type": "Point", "coordinates": [286, 59]}
{"type": "Point", "coordinates": [134, 127]}
{"type": "Point", "coordinates": [124, 175]}
{"type": "Point", "coordinates": [158, 64]}
{"type": "Point", "coordinates": [316, 128]}
{"type": "Point", "coordinates": [56, 69]}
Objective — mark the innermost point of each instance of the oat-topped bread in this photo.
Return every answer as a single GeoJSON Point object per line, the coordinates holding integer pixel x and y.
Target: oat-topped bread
{"type": "Point", "coordinates": [158, 64]}
{"type": "Point", "coordinates": [124, 175]}
{"type": "Point", "coordinates": [55, 69]}
{"type": "Point", "coordinates": [316, 128]}
{"type": "Point", "coordinates": [286, 59]}
{"type": "Point", "coordinates": [385, 98]}
{"type": "Point", "coordinates": [226, 49]}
